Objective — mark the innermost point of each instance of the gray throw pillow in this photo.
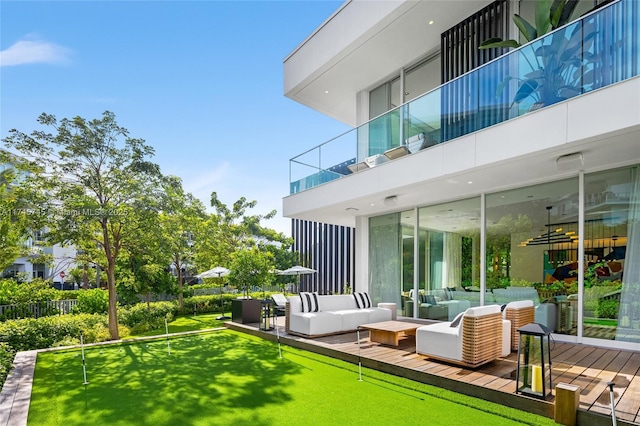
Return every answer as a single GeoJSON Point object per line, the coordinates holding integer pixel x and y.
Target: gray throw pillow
{"type": "Point", "coordinates": [456, 320]}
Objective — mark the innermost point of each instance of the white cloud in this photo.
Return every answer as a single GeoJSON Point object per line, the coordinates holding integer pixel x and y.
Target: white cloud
{"type": "Point", "coordinates": [231, 185]}
{"type": "Point", "coordinates": [201, 185]}
{"type": "Point", "coordinates": [33, 52]}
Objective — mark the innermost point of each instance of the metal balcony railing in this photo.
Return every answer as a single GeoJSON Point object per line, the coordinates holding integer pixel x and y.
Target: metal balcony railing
{"type": "Point", "coordinates": [592, 52]}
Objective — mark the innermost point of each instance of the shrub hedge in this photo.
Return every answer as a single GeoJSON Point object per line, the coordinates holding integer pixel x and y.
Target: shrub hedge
{"type": "Point", "coordinates": [142, 317]}
{"type": "Point", "coordinates": [209, 303]}
{"type": "Point", "coordinates": [94, 301]}
{"type": "Point", "coordinates": [7, 353]}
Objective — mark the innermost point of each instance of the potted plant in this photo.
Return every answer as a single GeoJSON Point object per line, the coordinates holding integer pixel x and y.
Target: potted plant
{"type": "Point", "coordinates": [557, 67]}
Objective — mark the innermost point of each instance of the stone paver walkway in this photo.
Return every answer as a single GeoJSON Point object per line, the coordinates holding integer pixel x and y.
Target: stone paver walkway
{"type": "Point", "coordinates": [16, 392]}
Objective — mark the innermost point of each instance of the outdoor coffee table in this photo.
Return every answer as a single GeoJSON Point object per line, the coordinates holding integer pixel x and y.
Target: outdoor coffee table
{"type": "Point", "coordinates": [389, 332]}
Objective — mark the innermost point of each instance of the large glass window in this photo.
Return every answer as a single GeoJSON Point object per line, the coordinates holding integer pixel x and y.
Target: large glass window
{"type": "Point", "coordinates": [385, 258]}
{"type": "Point", "coordinates": [38, 270]}
{"type": "Point", "coordinates": [448, 257]}
{"type": "Point", "coordinates": [532, 250]}
{"type": "Point", "coordinates": [611, 307]}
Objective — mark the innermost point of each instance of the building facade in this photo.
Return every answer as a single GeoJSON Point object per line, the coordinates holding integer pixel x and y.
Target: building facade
{"type": "Point", "coordinates": [471, 173]}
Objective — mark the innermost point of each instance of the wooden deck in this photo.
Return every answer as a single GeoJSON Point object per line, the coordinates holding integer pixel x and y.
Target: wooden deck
{"type": "Point", "coordinates": [588, 367]}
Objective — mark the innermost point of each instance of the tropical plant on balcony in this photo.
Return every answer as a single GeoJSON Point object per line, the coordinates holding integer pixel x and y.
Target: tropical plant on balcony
{"type": "Point", "coordinates": [555, 63]}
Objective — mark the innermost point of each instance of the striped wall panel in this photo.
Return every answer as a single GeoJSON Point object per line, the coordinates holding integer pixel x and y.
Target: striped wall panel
{"type": "Point", "coordinates": [329, 249]}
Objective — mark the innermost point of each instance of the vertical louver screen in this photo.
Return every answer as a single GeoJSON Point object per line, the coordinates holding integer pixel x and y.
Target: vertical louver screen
{"type": "Point", "coordinates": [459, 45]}
{"type": "Point", "coordinates": [330, 250]}
{"type": "Point", "coordinates": [460, 54]}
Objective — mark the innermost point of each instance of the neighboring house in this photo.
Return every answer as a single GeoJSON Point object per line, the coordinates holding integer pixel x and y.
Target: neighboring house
{"type": "Point", "coordinates": [63, 259]}
{"type": "Point", "coordinates": [474, 169]}
{"type": "Point", "coordinates": [24, 268]}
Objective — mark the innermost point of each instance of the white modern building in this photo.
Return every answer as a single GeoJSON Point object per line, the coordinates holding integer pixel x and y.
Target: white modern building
{"type": "Point", "coordinates": [474, 176]}
{"type": "Point", "coordinates": [63, 260]}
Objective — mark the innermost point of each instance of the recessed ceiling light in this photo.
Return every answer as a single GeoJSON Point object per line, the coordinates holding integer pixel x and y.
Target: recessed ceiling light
{"type": "Point", "coordinates": [326, 91]}
{"type": "Point", "coordinates": [430, 22]}
{"type": "Point", "coordinates": [470, 182]}
{"type": "Point", "coordinates": [372, 204]}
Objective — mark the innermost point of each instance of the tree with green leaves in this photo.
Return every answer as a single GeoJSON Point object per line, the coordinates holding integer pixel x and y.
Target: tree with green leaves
{"type": "Point", "coordinates": [250, 268]}
{"type": "Point", "coordinates": [230, 229]}
{"type": "Point", "coordinates": [20, 214]}
{"type": "Point", "coordinates": [12, 231]}
{"type": "Point", "coordinates": [226, 230]}
{"type": "Point", "coordinates": [181, 217]}
{"type": "Point", "coordinates": [98, 182]}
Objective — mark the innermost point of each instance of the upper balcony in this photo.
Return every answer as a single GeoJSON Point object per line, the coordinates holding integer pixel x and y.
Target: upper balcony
{"type": "Point", "coordinates": [593, 52]}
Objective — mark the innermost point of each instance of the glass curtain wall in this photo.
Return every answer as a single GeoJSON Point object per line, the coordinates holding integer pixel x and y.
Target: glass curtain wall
{"type": "Point", "coordinates": [448, 257]}
{"type": "Point", "coordinates": [384, 131]}
{"type": "Point", "coordinates": [611, 307]}
{"type": "Point", "coordinates": [431, 266]}
{"type": "Point", "coordinates": [532, 250]}
{"type": "Point", "coordinates": [386, 258]}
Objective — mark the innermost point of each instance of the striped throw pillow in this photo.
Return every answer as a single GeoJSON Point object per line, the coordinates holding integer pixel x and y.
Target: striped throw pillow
{"type": "Point", "coordinates": [309, 301]}
{"type": "Point", "coordinates": [362, 300]}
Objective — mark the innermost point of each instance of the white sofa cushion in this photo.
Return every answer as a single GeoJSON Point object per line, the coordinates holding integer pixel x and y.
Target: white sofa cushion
{"type": "Point", "coordinates": [311, 323]}
{"type": "Point", "coordinates": [352, 318]}
{"type": "Point", "coordinates": [336, 302]}
{"type": "Point", "coordinates": [440, 340]}
{"type": "Point", "coordinates": [378, 314]}
{"type": "Point", "coordinates": [506, 338]}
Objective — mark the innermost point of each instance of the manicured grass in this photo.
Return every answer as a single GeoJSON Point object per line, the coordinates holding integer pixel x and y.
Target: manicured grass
{"type": "Point", "coordinates": [186, 323]}
{"type": "Point", "coordinates": [229, 378]}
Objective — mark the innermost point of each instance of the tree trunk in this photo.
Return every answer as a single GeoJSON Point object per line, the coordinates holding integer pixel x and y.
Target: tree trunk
{"type": "Point", "coordinates": [180, 286]}
{"type": "Point", "coordinates": [113, 313]}
{"type": "Point", "coordinates": [85, 277]}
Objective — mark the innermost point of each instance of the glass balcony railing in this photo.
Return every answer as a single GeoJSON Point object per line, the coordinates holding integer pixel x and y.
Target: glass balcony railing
{"type": "Point", "coordinates": [595, 51]}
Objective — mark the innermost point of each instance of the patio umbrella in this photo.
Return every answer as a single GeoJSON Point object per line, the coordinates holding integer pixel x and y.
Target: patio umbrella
{"type": "Point", "coordinates": [297, 271]}
{"type": "Point", "coordinates": [217, 272]}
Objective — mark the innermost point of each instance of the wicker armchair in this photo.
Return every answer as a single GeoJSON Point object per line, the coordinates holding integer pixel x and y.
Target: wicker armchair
{"type": "Point", "coordinates": [475, 340]}
{"type": "Point", "coordinates": [520, 313]}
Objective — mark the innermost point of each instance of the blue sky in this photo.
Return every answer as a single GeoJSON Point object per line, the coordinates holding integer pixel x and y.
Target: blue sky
{"type": "Point", "coordinates": [200, 81]}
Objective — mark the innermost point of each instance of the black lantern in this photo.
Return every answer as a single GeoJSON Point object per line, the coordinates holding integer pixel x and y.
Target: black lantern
{"type": "Point", "coordinates": [265, 314]}
{"type": "Point", "coordinates": [533, 375]}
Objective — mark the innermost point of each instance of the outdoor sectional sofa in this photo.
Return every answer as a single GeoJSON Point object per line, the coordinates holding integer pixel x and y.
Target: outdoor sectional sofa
{"type": "Point", "coordinates": [332, 314]}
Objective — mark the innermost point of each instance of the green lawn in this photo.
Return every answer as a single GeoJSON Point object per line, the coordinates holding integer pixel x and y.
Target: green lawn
{"type": "Point", "coordinates": [186, 323]}
{"type": "Point", "coordinates": [229, 378]}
